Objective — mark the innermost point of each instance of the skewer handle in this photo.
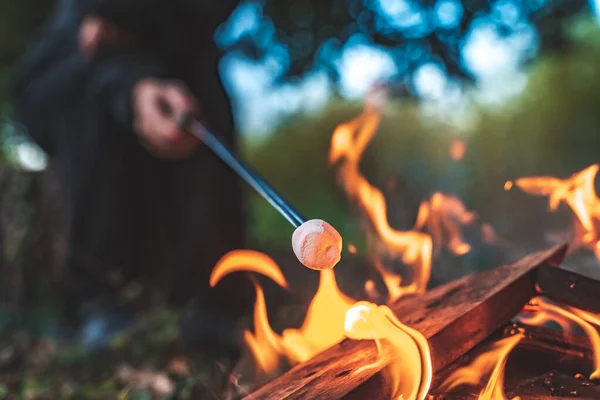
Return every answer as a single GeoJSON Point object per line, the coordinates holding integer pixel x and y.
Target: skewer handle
{"type": "Point", "coordinates": [212, 141]}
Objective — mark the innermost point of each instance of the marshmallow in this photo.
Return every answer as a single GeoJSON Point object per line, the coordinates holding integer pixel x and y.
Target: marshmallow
{"type": "Point", "coordinates": [317, 244]}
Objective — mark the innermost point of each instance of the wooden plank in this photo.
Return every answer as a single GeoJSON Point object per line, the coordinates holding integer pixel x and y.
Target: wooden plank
{"type": "Point", "coordinates": [542, 366]}
{"type": "Point", "coordinates": [569, 287]}
{"type": "Point", "coordinates": [454, 318]}
{"type": "Point", "coordinates": [546, 386]}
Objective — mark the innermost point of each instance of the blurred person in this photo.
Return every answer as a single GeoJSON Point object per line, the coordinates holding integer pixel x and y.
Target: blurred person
{"type": "Point", "coordinates": [143, 201]}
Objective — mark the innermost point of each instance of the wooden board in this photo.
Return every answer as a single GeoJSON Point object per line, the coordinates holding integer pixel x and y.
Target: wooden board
{"type": "Point", "coordinates": [454, 318]}
{"type": "Point", "coordinates": [570, 288]}
{"type": "Point", "coordinates": [542, 366]}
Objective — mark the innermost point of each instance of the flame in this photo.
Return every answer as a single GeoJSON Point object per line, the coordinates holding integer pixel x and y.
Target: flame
{"type": "Point", "coordinates": [324, 323]}
{"type": "Point", "coordinates": [579, 194]}
{"type": "Point", "coordinates": [393, 283]}
{"type": "Point", "coordinates": [352, 249]}
{"type": "Point", "coordinates": [411, 371]}
{"type": "Point", "coordinates": [540, 311]}
{"type": "Point", "coordinates": [264, 344]}
{"type": "Point", "coordinates": [443, 215]}
{"type": "Point", "coordinates": [247, 260]}
{"type": "Point", "coordinates": [348, 144]}
{"type": "Point", "coordinates": [489, 236]}
{"type": "Point", "coordinates": [492, 361]}
{"type": "Point", "coordinates": [458, 149]}
{"type": "Point", "coordinates": [322, 328]}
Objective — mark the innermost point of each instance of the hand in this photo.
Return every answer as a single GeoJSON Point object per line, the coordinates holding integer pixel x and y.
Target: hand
{"type": "Point", "coordinates": [96, 33]}
{"type": "Point", "coordinates": [156, 104]}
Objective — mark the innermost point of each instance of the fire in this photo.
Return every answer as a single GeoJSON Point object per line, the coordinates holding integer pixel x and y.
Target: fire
{"type": "Point", "coordinates": [324, 323]}
{"type": "Point", "coordinates": [540, 311]}
{"type": "Point", "coordinates": [264, 343]}
{"type": "Point", "coordinates": [492, 362]}
{"type": "Point", "coordinates": [247, 260]}
{"type": "Point", "coordinates": [348, 144]}
{"type": "Point", "coordinates": [440, 219]}
{"type": "Point", "coordinates": [393, 283]}
{"type": "Point", "coordinates": [579, 194]}
{"type": "Point", "coordinates": [458, 149]}
{"type": "Point", "coordinates": [411, 371]}
{"type": "Point", "coordinates": [322, 328]}
{"type": "Point", "coordinates": [443, 215]}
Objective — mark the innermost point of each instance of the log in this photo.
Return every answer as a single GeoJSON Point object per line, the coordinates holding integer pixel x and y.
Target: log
{"type": "Point", "coordinates": [569, 287]}
{"type": "Point", "coordinates": [542, 366]}
{"type": "Point", "coordinates": [454, 317]}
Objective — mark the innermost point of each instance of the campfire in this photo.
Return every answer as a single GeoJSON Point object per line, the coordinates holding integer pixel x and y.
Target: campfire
{"type": "Point", "coordinates": [457, 340]}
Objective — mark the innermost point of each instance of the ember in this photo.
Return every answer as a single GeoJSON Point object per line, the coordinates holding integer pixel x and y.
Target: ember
{"type": "Point", "coordinates": [458, 148]}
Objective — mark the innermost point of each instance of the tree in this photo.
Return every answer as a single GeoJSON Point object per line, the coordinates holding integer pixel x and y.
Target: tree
{"type": "Point", "coordinates": [315, 31]}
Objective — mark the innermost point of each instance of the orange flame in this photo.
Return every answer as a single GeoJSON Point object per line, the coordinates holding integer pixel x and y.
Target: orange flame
{"type": "Point", "coordinates": [264, 344]}
{"type": "Point", "coordinates": [443, 215]}
{"type": "Point", "coordinates": [411, 371]}
{"type": "Point", "coordinates": [348, 144]}
{"type": "Point", "coordinates": [579, 194]}
{"type": "Point", "coordinates": [492, 361]}
{"type": "Point", "coordinates": [393, 283]}
{"type": "Point", "coordinates": [324, 323]}
{"type": "Point", "coordinates": [458, 149]}
{"type": "Point", "coordinates": [540, 311]}
{"type": "Point", "coordinates": [247, 260]}
{"type": "Point", "coordinates": [322, 328]}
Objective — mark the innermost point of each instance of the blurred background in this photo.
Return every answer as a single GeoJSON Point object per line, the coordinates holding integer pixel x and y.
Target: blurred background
{"type": "Point", "coordinates": [481, 92]}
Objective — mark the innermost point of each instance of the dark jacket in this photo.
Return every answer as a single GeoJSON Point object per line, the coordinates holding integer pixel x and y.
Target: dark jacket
{"type": "Point", "coordinates": [127, 212]}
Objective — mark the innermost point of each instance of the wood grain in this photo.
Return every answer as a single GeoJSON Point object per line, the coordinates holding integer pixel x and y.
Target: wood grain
{"type": "Point", "coordinates": [569, 287]}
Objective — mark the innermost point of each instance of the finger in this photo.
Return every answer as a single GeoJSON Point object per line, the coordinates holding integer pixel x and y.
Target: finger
{"type": "Point", "coordinates": [90, 35]}
{"type": "Point", "coordinates": [179, 99]}
{"type": "Point", "coordinates": [163, 127]}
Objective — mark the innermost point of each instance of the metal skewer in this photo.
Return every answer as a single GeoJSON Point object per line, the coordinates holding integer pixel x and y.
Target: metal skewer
{"type": "Point", "coordinates": [191, 125]}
